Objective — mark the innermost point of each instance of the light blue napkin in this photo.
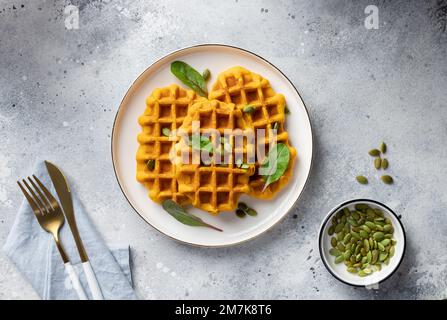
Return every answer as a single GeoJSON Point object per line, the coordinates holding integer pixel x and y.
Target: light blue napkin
{"type": "Point", "coordinates": [34, 253]}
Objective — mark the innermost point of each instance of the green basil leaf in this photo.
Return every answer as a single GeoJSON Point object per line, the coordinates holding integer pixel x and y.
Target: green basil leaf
{"type": "Point", "coordinates": [175, 210]}
{"type": "Point", "coordinates": [190, 77]}
{"type": "Point", "coordinates": [282, 161]}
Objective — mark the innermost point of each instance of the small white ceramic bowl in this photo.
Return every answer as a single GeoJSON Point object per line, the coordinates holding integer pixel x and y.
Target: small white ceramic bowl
{"type": "Point", "coordinates": [339, 270]}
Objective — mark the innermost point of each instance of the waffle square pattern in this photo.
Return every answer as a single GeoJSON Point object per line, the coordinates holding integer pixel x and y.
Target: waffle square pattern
{"type": "Point", "coordinates": [165, 108]}
{"type": "Point", "coordinates": [215, 185]}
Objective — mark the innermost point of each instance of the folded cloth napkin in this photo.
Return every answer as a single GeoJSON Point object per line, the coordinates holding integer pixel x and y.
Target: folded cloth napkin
{"type": "Point", "coordinates": [34, 253]}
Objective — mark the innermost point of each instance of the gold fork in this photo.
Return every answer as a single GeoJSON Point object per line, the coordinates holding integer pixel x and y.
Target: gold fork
{"type": "Point", "coordinates": [51, 219]}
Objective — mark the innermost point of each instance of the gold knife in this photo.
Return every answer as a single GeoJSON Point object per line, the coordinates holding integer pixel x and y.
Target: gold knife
{"type": "Point", "coordinates": [63, 192]}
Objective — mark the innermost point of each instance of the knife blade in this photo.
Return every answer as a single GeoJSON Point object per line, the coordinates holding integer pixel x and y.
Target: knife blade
{"type": "Point", "coordinates": [63, 192]}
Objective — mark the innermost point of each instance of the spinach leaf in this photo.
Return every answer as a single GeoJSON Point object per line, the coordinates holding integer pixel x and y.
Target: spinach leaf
{"type": "Point", "coordinates": [281, 158]}
{"type": "Point", "coordinates": [190, 77]}
{"type": "Point", "coordinates": [175, 210]}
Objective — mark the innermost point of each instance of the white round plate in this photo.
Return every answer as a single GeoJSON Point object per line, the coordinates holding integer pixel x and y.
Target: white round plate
{"type": "Point", "coordinates": [216, 58]}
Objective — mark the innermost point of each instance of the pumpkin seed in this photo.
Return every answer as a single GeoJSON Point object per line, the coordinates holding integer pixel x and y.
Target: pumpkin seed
{"type": "Point", "coordinates": [248, 109]}
{"type": "Point", "coordinates": [369, 256]}
{"type": "Point", "coordinates": [378, 266]}
{"type": "Point", "coordinates": [383, 147]}
{"type": "Point", "coordinates": [340, 236]}
{"type": "Point", "coordinates": [362, 179]}
{"type": "Point", "coordinates": [387, 179]}
{"type": "Point", "coordinates": [348, 263]}
{"type": "Point", "coordinates": [388, 228]}
{"type": "Point", "coordinates": [366, 244]}
{"type": "Point", "coordinates": [358, 257]}
{"type": "Point", "coordinates": [385, 242]}
{"type": "Point", "coordinates": [334, 242]}
{"type": "Point", "coordinates": [362, 273]}
{"type": "Point", "coordinates": [150, 164]}
{"type": "Point", "coordinates": [361, 206]}
{"type": "Point", "coordinates": [371, 243]}
{"type": "Point", "coordinates": [355, 235]}
{"type": "Point", "coordinates": [374, 256]}
{"type": "Point", "coordinates": [383, 256]}
{"type": "Point", "coordinates": [393, 241]}
{"type": "Point", "coordinates": [347, 254]}
{"type": "Point", "coordinates": [388, 236]}
{"type": "Point", "coordinates": [338, 227]}
{"type": "Point", "coordinates": [352, 222]}
{"type": "Point", "coordinates": [387, 261]}
{"type": "Point", "coordinates": [374, 152]}
{"type": "Point", "coordinates": [378, 163]}
{"type": "Point", "coordinates": [367, 271]}
{"type": "Point", "coordinates": [380, 246]}
{"type": "Point", "coordinates": [347, 238]}
{"type": "Point", "coordinates": [370, 224]}
{"type": "Point", "coordinates": [341, 247]}
{"type": "Point", "coordinates": [363, 251]}
{"type": "Point", "coordinates": [352, 270]}
{"type": "Point", "coordinates": [378, 236]}
{"type": "Point", "coordinates": [331, 230]}
{"type": "Point", "coordinates": [364, 260]}
{"type": "Point", "coordinates": [366, 229]}
{"type": "Point", "coordinates": [334, 252]}
{"type": "Point", "coordinates": [339, 259]}
{"type": "Point", "coordinates": [378, 227]}
{"type": "Point", "coordinates": [392, 250]}
{"type": "Point", "coordinates": [378, 212]}
{"type": "Point", "coordinates": [385, 164]}
{"type": "Point", "coordinates": [363, 234]}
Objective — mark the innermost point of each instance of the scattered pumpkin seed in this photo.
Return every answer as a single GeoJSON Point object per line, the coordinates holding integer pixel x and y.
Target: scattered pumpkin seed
{"type": "Point", "coordinates": [150, 164]}
{"type": "Point", "coordinates": [362, 273]}
{"type": "Point", "coordinates": [206, 74]}
{"type": "Point", "coordinates": [352, 270]}
{"type": "Point", "coordinates": [166, 132]}
{"type": "Point", "coordinates": [387, 179]}
{"type": "Point", "coordinates": [378, 163]}
{"type": "Point", "coordinates": [385, 164]}
{"type": "Point", "coordinates": [374, 152]}
{"type": "Point", "coordinates": [383, 147]}
{"type": "Point", "coordinates": [361, 179]}
{"type": "Point", "coordinates": [378, 236]}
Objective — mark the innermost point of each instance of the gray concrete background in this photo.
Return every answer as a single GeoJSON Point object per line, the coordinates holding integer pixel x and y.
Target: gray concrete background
{"type": "Point", "coordinates": [60, 89]}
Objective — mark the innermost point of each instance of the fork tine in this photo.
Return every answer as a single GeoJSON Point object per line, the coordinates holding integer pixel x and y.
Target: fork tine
{"type": "Point", "coordinates": [42, 207]}
{"type": "Point", "coordinates": [50, 197]}
{"type": "Point", "coordinates": [30, 200]}
{"type": "Point", "coordinates": [42, 197]}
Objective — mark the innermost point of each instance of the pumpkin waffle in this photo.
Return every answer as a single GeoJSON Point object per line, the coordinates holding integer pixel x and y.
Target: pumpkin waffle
{"type": "Point", "coordinates": [165, 108]}
{"type": "Point", "coordinates": [214, 187]}
{"type": "Point", "coordinates": [244, 88]}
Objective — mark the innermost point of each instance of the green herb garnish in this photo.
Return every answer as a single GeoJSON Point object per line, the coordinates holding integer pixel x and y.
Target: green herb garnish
{"type": "Point", "coordinates": [281, 160]}
{"type": "Point", "coordinates": [203, 143]}
{"type": "Point", "coordinates": [248, 109]}
{"type": "Point", "coordinates": [166, 132]}
{"type": "Point", "coordinates": [243, 210]}
{"type": "Point", "coordinates": [150, 164]}
{"type": "Point", "coordinates": [190, 77]}
{"type": "Point", "coordinates": [175, 210]}
{"type": "Point", "coordinates": [286, 110]}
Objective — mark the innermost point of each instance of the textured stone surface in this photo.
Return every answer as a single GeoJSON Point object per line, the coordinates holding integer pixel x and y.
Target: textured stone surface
{"type": "Point", "coordinates": [60, 89]}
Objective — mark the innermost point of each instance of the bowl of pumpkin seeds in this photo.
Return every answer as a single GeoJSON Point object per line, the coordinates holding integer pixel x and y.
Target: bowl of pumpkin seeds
{"type": "Point", "coordinates": [362, 242]}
